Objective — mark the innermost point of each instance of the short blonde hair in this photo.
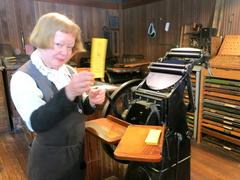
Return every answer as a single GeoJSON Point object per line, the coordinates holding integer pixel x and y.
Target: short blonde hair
{"type": "Point", "coordinates": [44, 31]}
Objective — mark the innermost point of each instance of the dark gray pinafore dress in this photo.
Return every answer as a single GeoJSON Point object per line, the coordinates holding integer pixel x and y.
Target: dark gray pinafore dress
{"type": "Point", "coordinates": [56, 154]}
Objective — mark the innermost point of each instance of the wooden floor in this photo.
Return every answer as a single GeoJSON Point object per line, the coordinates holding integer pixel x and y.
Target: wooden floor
{"type": "Point", "coordinates": [13, 155]}
{"type": "Point", "coordinates": [206, 164]}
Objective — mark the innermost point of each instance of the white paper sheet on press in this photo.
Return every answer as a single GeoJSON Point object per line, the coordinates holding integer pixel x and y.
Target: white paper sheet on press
{"type": "Point", "coordinates": [159, 81]}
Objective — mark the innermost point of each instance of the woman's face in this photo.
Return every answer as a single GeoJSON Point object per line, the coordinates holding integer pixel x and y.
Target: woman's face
{"type": "Point", "coordinates": [61, 51]}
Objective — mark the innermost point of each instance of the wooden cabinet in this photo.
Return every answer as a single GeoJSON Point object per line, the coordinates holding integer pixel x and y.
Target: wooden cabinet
{"type": "Point", "coordinates": [4, 119]}
{"type": "Point", "coordinates": [10, 66]}
{"type": "Point", "coordinates": [219, 117]}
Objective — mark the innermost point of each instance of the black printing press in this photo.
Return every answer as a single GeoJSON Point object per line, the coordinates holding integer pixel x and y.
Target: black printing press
{"type": "Point", "coordinates": [158, 100]}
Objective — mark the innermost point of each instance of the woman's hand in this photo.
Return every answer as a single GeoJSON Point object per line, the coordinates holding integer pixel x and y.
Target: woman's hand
{"type": "Point", "coordinates": [96, 96]}
{"type": "Point", "coordinates": [79, 84]}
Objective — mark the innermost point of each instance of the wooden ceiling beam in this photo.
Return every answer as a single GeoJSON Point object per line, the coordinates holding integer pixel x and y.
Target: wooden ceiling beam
{"type": "Point", "coordinates": [105, 5]}
{"type": "Point", "coordinates": [134, 3]}
{"type": "Point", "coordinates": [90, 3]}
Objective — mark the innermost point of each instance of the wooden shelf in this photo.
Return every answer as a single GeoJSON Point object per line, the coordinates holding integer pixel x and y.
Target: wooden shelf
{"type": "Point", "coordinates": [221, 136]}
{"type": "Point", "coordinates": [219, 115]}
{"type": "Point", "coordinates": [221, 95]}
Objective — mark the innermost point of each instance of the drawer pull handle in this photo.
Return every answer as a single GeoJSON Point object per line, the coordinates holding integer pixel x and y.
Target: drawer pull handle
{"type": "Point", "coordinates": [226, 127]}
{"type": "Point", "coordinates": [226, 122]}
{"type": "Point", "coordinates": [228, 118]}
{"type": "Point", "coordinates": [227, 148]}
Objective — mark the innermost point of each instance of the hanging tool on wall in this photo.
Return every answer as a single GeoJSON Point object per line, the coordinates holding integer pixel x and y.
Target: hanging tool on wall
{"type": "Point", "coordinates": [151, 30]}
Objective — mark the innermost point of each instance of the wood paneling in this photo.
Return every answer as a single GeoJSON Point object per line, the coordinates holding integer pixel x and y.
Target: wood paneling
{"type": "Point", "coordinates": [134, 3]}
{"type": "Point", "coordinates": [197, 11]}
{"type": "Point", "coordinates": [99, 165]}
{"type": "Point", "coordinates": [231, 23]}
{"type": "Point", "coordinates": [20, 16]}
{"type": "Point", "coordinates": [91, 19]}
{"type": "Point", "coordinates": [15, 17]}
{"type": "Point", "coordinates": [178, 13]}
{"type": "Point", "coordinates": [89, 3]}
{"type": "Point", "coordinates": [107, 4]}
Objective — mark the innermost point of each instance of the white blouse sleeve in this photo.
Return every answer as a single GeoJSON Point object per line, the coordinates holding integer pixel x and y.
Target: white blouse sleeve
{"type": "Point", "coordinates": [26, 96]}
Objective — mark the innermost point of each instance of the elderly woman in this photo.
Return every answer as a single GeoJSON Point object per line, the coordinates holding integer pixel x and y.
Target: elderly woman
{"type": "Point", "coordinates": [52, 100]}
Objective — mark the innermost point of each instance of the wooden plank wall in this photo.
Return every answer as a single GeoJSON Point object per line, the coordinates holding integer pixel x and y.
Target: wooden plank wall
{"type": "Point", "coordinates": [231, 15]}
{"type": "Point", "coordinates": [137, 19]}
{"type": "Point", "coordinates": [20, 16]}
{"type": "Point", "coordinates": [15, 17]}
{"type": "Point", "coordinates": [178, 13]}
{"type": "Point", "coordinates": [90, 19]}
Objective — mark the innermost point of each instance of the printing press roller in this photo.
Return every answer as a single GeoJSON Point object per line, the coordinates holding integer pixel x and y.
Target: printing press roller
{"type": "Point", "coordinates": [168, 68]}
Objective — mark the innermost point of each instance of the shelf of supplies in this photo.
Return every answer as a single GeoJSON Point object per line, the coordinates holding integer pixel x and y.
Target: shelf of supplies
{"type": "Point", "coordinates": [219, 115]}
